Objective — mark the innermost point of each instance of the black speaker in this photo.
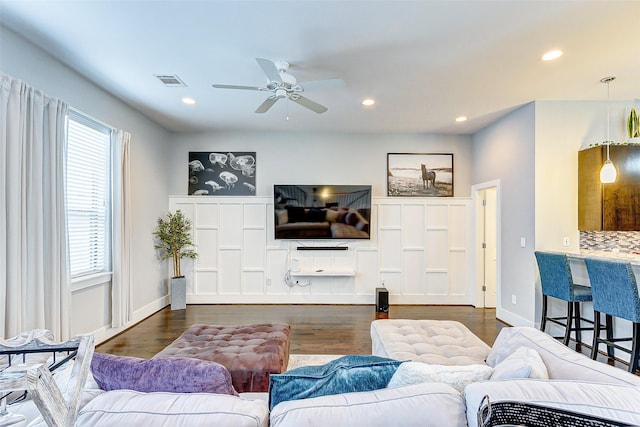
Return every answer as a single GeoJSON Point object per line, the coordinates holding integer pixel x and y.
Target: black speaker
{"type": "Point", "coordinates": [382, 300]}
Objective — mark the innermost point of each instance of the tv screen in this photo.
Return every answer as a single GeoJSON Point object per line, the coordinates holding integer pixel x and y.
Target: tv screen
{"type": "Point", "coordinates": [322, 211]}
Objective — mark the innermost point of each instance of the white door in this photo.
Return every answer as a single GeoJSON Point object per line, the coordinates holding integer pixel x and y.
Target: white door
{"type": "Point", "coordinates": [490, 246]}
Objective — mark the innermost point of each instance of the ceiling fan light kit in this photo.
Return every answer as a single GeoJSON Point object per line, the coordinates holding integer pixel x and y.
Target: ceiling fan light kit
{"type": "Point", "coordinates": [285, 86]}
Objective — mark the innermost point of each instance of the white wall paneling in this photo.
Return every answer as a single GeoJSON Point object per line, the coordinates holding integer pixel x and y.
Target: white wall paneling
{"type": "Point", "coordinates": [420, 250]}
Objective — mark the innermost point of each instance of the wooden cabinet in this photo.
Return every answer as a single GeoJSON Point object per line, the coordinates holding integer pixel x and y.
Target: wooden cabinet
{"type": "Point", "coordinates": [615, 206]}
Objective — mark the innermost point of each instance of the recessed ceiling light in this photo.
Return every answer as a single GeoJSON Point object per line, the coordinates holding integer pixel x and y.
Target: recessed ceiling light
{"type": "Point", "coordinates": [551, 55]}
{"type": "Point", "coordinates": [461, 119]}
{"type": "Point", "coordinates": [368, 102]}
{"type": "Point", "coordinates": [188, 101]}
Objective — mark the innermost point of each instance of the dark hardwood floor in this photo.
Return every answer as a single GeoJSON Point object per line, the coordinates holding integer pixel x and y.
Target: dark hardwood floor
{"type": "Point", "coordinates": [315, 329]}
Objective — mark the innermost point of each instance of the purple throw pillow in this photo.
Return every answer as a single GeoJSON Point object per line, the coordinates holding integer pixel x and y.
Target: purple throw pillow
{"type": "Point", "coordinates": [170, 374]}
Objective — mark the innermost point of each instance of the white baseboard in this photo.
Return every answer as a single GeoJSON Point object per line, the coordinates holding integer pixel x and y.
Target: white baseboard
{"type": "Point", "coordinates": [325, 299]}
{"type": "Point", "coordinates": [106, 332]}
{"type": "Point", "coordinates": [512, 318]}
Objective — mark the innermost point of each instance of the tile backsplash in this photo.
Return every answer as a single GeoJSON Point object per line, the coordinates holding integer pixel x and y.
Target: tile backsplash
{"type": "Point", "coordinates": [622, 241]}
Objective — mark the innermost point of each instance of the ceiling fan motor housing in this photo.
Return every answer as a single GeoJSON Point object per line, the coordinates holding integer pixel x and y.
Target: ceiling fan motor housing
{"type": "Point", "coordinates": [284, 85]}
{"type": "Point", "coordinates": [288, 78]}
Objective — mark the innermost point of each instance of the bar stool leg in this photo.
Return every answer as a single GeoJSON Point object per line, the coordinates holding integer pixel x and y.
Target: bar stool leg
{"type": "Point", "coordinates": [543, 319]}
{"type": "Point", "coordinates": [567, 332]}
{"type": "Point", "coordinates": [576, 310]}
{"type": "Point", "coordinates": [635, 347]}
{"type": "Point", "coordinates": [609, 328]}
{"type": "Point", "coordinates": [596, 334]}
{"type": "Point", "coordinates": [578, 324]}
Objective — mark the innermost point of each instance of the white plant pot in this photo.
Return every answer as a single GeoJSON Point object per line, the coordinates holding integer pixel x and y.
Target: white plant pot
{"type": "Point", "coordinates": [178, 293]}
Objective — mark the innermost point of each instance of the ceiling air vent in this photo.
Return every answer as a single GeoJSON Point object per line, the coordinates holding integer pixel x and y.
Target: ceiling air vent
{"type": "Point", "coordinates": [170, 80]}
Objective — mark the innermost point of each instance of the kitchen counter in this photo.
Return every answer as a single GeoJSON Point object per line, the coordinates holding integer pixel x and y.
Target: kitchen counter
{"type": "Point", "coordinates": [579, 269]}
{"type": "Point", "coordinates": [616, 256]}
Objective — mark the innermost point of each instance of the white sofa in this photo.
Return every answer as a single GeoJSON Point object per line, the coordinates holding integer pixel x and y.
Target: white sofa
{"type": "Point", "coordinates": [575, 383]}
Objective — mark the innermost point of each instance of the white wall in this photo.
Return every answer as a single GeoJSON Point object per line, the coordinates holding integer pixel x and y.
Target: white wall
{"type": "Point", "coordinates": [419, 247]}
{"type": "Point", "coordinates": [562, 129]}
{"type": "Point", "coordinates": [150, 184]}
{"type": "Point", "coordinates": [321, 158]}
{"type": "Point", "coordinates": [505, 151]}
{"type": "Point", "coordinates": [414, 272]}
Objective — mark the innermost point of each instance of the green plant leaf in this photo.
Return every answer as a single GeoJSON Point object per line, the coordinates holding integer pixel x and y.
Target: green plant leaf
{"type": "Point", "coordinates": [173, 239]}
{"type": "Point", "coordinates": [633, 124]}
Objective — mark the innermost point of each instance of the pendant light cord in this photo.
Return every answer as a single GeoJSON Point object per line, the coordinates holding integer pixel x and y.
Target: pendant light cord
{"type": "Point", "coordinates": [608, 108]}
{"type": "Point", "coordinates": [608, 80]}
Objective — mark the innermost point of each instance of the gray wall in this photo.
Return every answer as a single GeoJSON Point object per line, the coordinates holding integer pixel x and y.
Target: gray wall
{"type": "Point", "coordinates": [321, 158]}
{"type": "Point", "coordinates": [533, 151]}
{"type": "Point", "coordinates": [150, 159]}
{"type": "Point", "coordinates": [505, 151]}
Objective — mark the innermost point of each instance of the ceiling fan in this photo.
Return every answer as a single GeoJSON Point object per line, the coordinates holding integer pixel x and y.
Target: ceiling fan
{"type": "Point", "coordinates": [284, 85]}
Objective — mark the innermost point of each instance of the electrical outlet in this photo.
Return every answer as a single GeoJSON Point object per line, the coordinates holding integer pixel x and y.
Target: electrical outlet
{"type": "Point", "coordinates": [523, 242]}
{"type": "Point", "coordinates": [513, 299]}
{"type": "Point", "coordinates": [565, 241]}
{"type": "Point", "coordinates": [268, 282]}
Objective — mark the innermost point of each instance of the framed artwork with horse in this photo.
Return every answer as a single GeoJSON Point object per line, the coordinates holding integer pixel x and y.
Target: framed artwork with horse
{"type": "Point", "coordinates": [420, 174]}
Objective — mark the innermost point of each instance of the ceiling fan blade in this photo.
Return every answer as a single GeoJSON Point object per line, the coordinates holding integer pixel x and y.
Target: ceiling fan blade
{"type": "Point", "coordinates": [268, 103]}
{"type": "Point", "coordinates": [239, 87]}
{"type": "Point", "coordinates": [269, 69]}
{"type": "Point", "coordinates": [322, 84]}
{"type": "Point", "coordinates": [306, 102]}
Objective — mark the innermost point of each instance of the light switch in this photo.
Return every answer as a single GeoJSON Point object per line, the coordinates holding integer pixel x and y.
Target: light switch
{"type": "Point", "coordinates": [523, 242]}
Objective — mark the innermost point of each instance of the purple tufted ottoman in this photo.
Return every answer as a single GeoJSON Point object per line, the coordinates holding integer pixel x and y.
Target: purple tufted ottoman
{"type": "Point", "coordinates": [250, 352]}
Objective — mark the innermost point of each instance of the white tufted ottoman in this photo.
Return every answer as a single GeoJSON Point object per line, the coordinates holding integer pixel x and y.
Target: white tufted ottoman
{"type": "Point", "coordinates": [438, 342]}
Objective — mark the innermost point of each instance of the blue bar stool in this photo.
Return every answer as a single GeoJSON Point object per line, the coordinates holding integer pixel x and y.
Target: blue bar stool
{"type": "Point", "coordinates": [557, 282]}
{"type": "Point", "coordinates": [615, 293]}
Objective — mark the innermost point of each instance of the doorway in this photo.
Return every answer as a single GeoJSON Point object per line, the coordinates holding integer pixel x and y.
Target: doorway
{"type": "Point", "coordinates": [487, 231]}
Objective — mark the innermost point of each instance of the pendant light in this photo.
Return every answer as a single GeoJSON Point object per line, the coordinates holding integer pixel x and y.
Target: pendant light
{"type": "Point", "coordinates": [608, 172]}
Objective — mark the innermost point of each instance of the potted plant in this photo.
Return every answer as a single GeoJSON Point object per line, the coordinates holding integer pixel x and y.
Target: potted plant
{"type": "Point", "coordinates": [173, 240]}
{"type": "Point", "coordinates": [633, 126]}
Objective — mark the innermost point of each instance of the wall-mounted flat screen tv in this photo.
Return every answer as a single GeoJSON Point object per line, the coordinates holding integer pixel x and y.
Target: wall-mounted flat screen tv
{"type": "Point", "coordinates": [338, 212]}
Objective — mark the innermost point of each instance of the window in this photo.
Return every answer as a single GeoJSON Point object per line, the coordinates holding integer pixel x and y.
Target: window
{"type": "Point", "coordinates": [88, 195]}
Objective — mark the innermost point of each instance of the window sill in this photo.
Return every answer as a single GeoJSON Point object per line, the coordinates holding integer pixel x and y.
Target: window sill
{"type": "Point", "coordinates": [91, 280]}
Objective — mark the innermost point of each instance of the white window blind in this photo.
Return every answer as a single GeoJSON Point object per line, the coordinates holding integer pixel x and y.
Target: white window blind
{"type": "Point", "coordinates": [88, 195]}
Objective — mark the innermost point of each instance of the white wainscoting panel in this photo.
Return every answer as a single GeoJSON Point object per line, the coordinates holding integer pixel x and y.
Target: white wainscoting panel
{"type": "Point", "coordinates": [419, 248]}
{"type": "Point", "coordinates": [231, 225]}
{"type": "Point", "coordinates": [254, 246]}
{"type": "Point", "coordinates": [206, 215]}
{"type": "Point", "coordinates": [390, 239]}
{"type": "Point", "coordinates": [230, 275]}
{"type": "Point", "coordinates": [206, 240]}
{"type": "Point", "coordinates": [368, 276]}
{"type": "Point", "coordinates": [413, 272]}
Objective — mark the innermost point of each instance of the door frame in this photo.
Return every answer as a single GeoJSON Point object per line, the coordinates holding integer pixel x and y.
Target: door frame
{"type": "Point", "coordinates": [477, 277]}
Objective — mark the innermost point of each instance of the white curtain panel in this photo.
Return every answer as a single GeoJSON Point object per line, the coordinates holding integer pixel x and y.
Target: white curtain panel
{"type": "Point", "coordinates": [34, 271]}
{"type": "Point", "coordinates": [121, 286]}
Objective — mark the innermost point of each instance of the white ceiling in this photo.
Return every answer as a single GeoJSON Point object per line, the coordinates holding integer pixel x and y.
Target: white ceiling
{"type": "Point", "coordinates": [426, 62]}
